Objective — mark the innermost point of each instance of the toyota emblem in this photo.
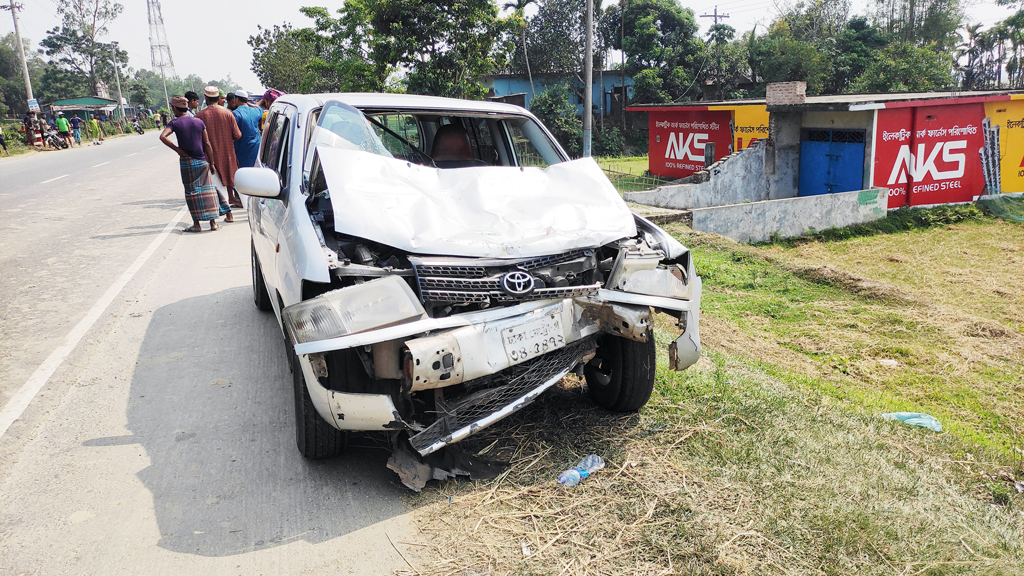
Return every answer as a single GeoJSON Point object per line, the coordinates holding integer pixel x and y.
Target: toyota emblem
{"type": "Point", "coordinates": [517, 283]}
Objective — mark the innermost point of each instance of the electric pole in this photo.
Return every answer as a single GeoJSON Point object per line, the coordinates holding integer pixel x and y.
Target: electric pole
{"type": "Point", "coordinates": [588, 84]}
{"type": "Point", "coordinates": [120, 99]}
{"type": "Point", "coordinates": [718, 71]}
{"type": "Point", "coordinates": [21, 50]}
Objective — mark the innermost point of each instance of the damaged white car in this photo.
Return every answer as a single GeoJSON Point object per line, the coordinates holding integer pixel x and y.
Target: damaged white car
{"type": "Point", "coordinates": [437, 264]}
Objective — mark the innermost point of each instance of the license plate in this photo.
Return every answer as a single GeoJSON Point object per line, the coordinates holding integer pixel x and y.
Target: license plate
{"type": "Point", "coordinates": [534, 338]}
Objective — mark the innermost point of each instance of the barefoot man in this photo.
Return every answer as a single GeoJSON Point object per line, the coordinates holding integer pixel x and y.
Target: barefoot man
{"type": "Point", "coordinates": [194, 148]}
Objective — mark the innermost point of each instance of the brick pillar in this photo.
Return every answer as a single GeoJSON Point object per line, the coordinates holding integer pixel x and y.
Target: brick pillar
{"type": "Point", "coordinates": [781, 93]}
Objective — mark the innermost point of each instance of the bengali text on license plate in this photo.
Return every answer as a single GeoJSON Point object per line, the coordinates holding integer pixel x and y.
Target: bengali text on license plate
{"type": "Point", "coordinates": [534, 338]}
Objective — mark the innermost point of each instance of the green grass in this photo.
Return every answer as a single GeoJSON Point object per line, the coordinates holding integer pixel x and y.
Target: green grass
{"type": "Point", "coordinates": [902, 346]}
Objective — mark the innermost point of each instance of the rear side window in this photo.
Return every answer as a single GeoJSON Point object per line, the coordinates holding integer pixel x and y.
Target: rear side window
{"type": "Point", "coordinates": [275, 145]}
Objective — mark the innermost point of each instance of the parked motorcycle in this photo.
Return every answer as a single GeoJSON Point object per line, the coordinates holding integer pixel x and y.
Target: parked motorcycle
{"type": "Point", "coordinates": [53, 139]}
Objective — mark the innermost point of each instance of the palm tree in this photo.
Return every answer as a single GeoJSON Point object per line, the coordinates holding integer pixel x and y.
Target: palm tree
{"type": "Point", "coordinates": [520, 9]}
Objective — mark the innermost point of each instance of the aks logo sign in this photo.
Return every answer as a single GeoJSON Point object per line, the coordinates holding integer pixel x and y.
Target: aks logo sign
{"type": "Point", "coordinates": [923, 165]}
{"type": "Point", "coordinates": [677, 149]}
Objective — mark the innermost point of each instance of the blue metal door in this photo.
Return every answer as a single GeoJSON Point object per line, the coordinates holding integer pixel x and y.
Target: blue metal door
{"type": "Point", "coordinates": [831, 161]}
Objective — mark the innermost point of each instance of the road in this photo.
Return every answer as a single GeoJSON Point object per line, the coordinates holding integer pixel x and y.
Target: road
{"type": "Point", "coordinates": [163, 440]}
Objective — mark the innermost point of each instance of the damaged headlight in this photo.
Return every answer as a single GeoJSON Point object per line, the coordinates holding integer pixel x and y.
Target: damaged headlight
{"type": "Point", "coordinates": [376, 304]}
{"type": "Point", "coordinates": [666, 282]}
{"type": "Point", "coordinates": [659, 239]}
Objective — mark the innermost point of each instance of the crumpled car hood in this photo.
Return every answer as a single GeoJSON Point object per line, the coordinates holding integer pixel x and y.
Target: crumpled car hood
{"type": "Point", "coordinates": [487, 212]}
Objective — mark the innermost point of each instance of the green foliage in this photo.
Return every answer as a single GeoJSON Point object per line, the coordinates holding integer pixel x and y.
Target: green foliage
{"type": "Point", "coordinates": [854, 48]}
{"type": "Point", "coordinates": [661, 36]}
{"type": "Point", "coordinates": [280, 56]}
{"type": "Point", "coordinates": [76, 49]}
{"type": "Point", "coordinates": [782, 57]}
{"type": "Point", "coordinates": [903, 67]}
{"type": "Point", "coordinates": [554, 108]}
{"type": "Point", "coordinates": [647, 87]}
{"type": "Point", "coordinates": [608, 142]}
{"type": "Point", "coordinates": [12, 82]}
{"type": "Point", "coordinates": [922, 22]}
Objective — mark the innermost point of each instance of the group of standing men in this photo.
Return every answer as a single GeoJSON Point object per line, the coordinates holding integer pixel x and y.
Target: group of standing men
{"type": "Point", "coordinates": [69, 129]}
{"type": "Point", "coordinates": [214, 141]}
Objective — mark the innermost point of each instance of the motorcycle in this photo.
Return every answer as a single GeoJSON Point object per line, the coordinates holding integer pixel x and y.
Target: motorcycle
{"type": "Point", "coordinates": [137, 127]}
{"type": "Point", "coordinates": [53, 139]}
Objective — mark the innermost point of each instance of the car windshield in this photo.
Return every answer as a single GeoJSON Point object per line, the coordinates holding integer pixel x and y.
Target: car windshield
{"type": "Point", "coordinates": [342, 126]}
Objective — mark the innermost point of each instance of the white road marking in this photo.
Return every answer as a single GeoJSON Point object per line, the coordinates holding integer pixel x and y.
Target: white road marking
{"type": "Point", "coordinates": [24, 396]}
{"type": "Point", "coordinates": [151, 147]}
{"type": "Point", "coordinates": [101, 164]}
{"type": "Point", "coordinates": [132, 154]}
{"type": "Point", "coordinates": [52, 179]}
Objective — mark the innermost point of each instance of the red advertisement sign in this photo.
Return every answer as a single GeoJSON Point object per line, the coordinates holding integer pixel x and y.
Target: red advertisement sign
{"type": "Point", "coordinates": [678, 140]}
{"type": "Point", "coordinates": [930, 154]}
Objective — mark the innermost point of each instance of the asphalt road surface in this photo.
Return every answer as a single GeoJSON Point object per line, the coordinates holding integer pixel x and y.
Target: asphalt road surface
{"type": "Point", "coordinates": [161, 440]}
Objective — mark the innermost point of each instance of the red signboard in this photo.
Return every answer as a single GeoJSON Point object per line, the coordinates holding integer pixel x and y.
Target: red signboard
{"type": "Point", "coordinates": [930, 154]}
{"type": "Point", "coordinates": [678, 140]}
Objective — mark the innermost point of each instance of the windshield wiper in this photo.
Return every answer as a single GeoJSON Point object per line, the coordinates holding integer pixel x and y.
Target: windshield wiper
{"type": "Point", "coordinates": [415, 150]}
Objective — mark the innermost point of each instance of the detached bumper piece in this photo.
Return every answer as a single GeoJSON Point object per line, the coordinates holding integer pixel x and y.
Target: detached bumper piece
{"type": "Point", "coordinates": [468, 415]}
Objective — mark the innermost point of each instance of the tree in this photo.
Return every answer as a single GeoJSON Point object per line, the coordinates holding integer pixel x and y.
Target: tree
{"type": "Point", "coordinates": [446, 44]}
{"type": "Point", "coordinates": [922, 22]}
{"type": "Point", "coordinates": [903, 67]}
{"type": "Point", "coordinates": [519, 8]}
{"type": "Point", "coordinates": [280, 56]}
{"type": "Point", "coordinates": [346, 54]}
{"type": "Point", "coordinates": [659, 35]}
{"type": "Point", "coordinates": [555, 109]}
{"type": "Point", "coordinates": [781, 57]}
{"type": "Point", "coordinates": [75, 45]}
{"type": "Point", "coordinates": [853, 51]}
{"type": "Point", "coordinates": [12, 82]}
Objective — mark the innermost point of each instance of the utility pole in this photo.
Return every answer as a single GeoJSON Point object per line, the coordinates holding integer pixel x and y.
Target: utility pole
{"type": "Point", "coordinates": [21, 50]}
{"type": "Point", "coordinates": [718, 71]}
{"type": "Point", "coordinates": [117, 75]}
{"type": "Point", "coordinates": [622, 69]}
{"type": "Point", "coordinates": [588, 84]}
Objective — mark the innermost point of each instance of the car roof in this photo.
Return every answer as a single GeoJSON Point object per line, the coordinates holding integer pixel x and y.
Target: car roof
{"type": "Point", "coordinates": [405, 101]}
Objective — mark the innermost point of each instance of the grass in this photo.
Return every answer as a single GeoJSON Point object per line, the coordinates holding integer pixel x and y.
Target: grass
{"type": "Point", "coordinates": [768, 456]}
{"type": "Point", "coordinates": [629, 174]}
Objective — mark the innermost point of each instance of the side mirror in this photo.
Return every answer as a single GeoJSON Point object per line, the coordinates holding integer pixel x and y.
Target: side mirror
{"type": "Point", "coordinates": [262, 182]}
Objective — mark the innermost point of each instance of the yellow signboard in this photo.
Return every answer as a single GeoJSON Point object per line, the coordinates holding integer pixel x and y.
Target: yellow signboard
{"type": "Point", "coordinates": [751, 123]}
{"type": "Point", "coordinates": [1009, 116]}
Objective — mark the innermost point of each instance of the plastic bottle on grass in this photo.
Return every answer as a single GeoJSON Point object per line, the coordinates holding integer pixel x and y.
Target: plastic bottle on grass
{"type": "Point", "coordinates": [577, 473]}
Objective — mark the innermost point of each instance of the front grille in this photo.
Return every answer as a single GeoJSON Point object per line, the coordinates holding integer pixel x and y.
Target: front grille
{"type": "Point", "coordinates": [478, 281]}
{"type": "Point", "coordinates": [461, 417]}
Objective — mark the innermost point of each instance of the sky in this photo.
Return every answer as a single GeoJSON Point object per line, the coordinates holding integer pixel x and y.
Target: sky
{"type": "Point", "coordinates": [209, 39]}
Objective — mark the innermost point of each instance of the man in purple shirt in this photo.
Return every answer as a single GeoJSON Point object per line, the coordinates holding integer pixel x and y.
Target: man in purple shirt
{"type": "Point", "coordinates": [193, 148]}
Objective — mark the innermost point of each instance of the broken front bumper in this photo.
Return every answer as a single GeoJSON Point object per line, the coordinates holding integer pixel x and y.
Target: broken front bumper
{"type": "Point", "coordinates": [534, 343]}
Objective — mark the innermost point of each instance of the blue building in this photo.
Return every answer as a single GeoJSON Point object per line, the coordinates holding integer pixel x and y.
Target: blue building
{"type": "Point", "coordinates": [607, 96]}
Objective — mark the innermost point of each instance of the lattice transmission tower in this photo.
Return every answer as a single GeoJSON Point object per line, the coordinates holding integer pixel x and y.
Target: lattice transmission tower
{"type": "Point", "coordinates": [159, 48]}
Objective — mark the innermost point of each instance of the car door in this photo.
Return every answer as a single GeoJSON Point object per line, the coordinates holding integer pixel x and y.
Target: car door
{"type": "Point", "coordinates": [270, 212]}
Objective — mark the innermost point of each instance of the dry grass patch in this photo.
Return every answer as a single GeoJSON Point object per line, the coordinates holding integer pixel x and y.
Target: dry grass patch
{"type": "Point", "coordinates": [724, 472]}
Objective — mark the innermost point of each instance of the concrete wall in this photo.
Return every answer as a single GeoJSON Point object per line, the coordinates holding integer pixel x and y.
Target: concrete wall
{"type": "Point", "coordinates": [861, 120]}
{"type": "Point", "coordinates": [735, 179]}
{"type": "Point", "coordinates": [758, 221]}
{"type": "Point", "coordinates": [782, 158]}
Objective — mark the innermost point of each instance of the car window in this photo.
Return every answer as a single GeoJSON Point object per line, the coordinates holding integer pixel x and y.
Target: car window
{"type": "Point", "coordinates": [398, 127]}
{"type": "Point", "coordinates": [271, 154]}
{"type": "Point", "coordinates": [342, 126]}
{"type": "Point", "coordinates": [529, 144]}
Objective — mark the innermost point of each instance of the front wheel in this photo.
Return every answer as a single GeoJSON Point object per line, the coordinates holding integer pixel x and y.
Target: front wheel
{"type": "Point", "coordinates": [621, 375]}
{"type": "Point", "coordinates": [314, 437]}
{"type": "Point", "coordinates": [260, 296]}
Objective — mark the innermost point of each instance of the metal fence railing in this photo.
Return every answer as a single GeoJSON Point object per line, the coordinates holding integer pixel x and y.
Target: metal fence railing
{"type": "Point", "coordinates": [626, 180]}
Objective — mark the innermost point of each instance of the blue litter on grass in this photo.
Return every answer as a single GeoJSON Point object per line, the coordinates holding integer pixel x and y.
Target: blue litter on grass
{"type": "Point", "coordinates": [915, 419]}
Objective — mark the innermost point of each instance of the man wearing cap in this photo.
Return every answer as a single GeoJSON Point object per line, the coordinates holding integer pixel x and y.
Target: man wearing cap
{"type": "Point", "coordinates": [223, 131]}
{"type": "Point", "coordinates": [194, 148]}
{"type": "Point", "coordinates": [248, 119]}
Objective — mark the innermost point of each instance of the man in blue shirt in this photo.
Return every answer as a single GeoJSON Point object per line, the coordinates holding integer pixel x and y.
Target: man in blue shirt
{"type": "Point", "coordinates": [247, 117]}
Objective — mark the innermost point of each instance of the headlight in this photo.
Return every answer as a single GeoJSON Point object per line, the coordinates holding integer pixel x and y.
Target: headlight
{"type": "Point", "coordinates": [663, 241]}
{"type": "Point", "coordinates": [383, 302]}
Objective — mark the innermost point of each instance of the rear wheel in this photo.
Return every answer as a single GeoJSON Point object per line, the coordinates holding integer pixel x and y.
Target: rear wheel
{"type": "Point", "coordinates": [621, 375]}
{"type": "Point", "coordinates": [260, 296]}
{"type": "Point", "coordinates": [315, 438]}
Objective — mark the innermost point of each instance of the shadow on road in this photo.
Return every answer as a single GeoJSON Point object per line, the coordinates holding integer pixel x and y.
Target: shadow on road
{"type": "Point", "coordinates": [211, 403]}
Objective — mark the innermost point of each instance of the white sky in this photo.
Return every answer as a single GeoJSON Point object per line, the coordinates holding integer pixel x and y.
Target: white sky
{"type": "Point", "coordinates": [209, 38]}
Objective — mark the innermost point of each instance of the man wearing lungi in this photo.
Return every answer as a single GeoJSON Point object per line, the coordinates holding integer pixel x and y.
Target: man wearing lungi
{"type": "Point", "coordinates": [194, 148]}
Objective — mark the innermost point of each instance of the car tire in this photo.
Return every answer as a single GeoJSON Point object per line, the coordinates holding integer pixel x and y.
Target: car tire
{"type": "Point", "coordinates": [314, 437]}
{"type": "Point", "coordinates": [260, 296]}
{"type": "Point", "coordinates": [621, 375]}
